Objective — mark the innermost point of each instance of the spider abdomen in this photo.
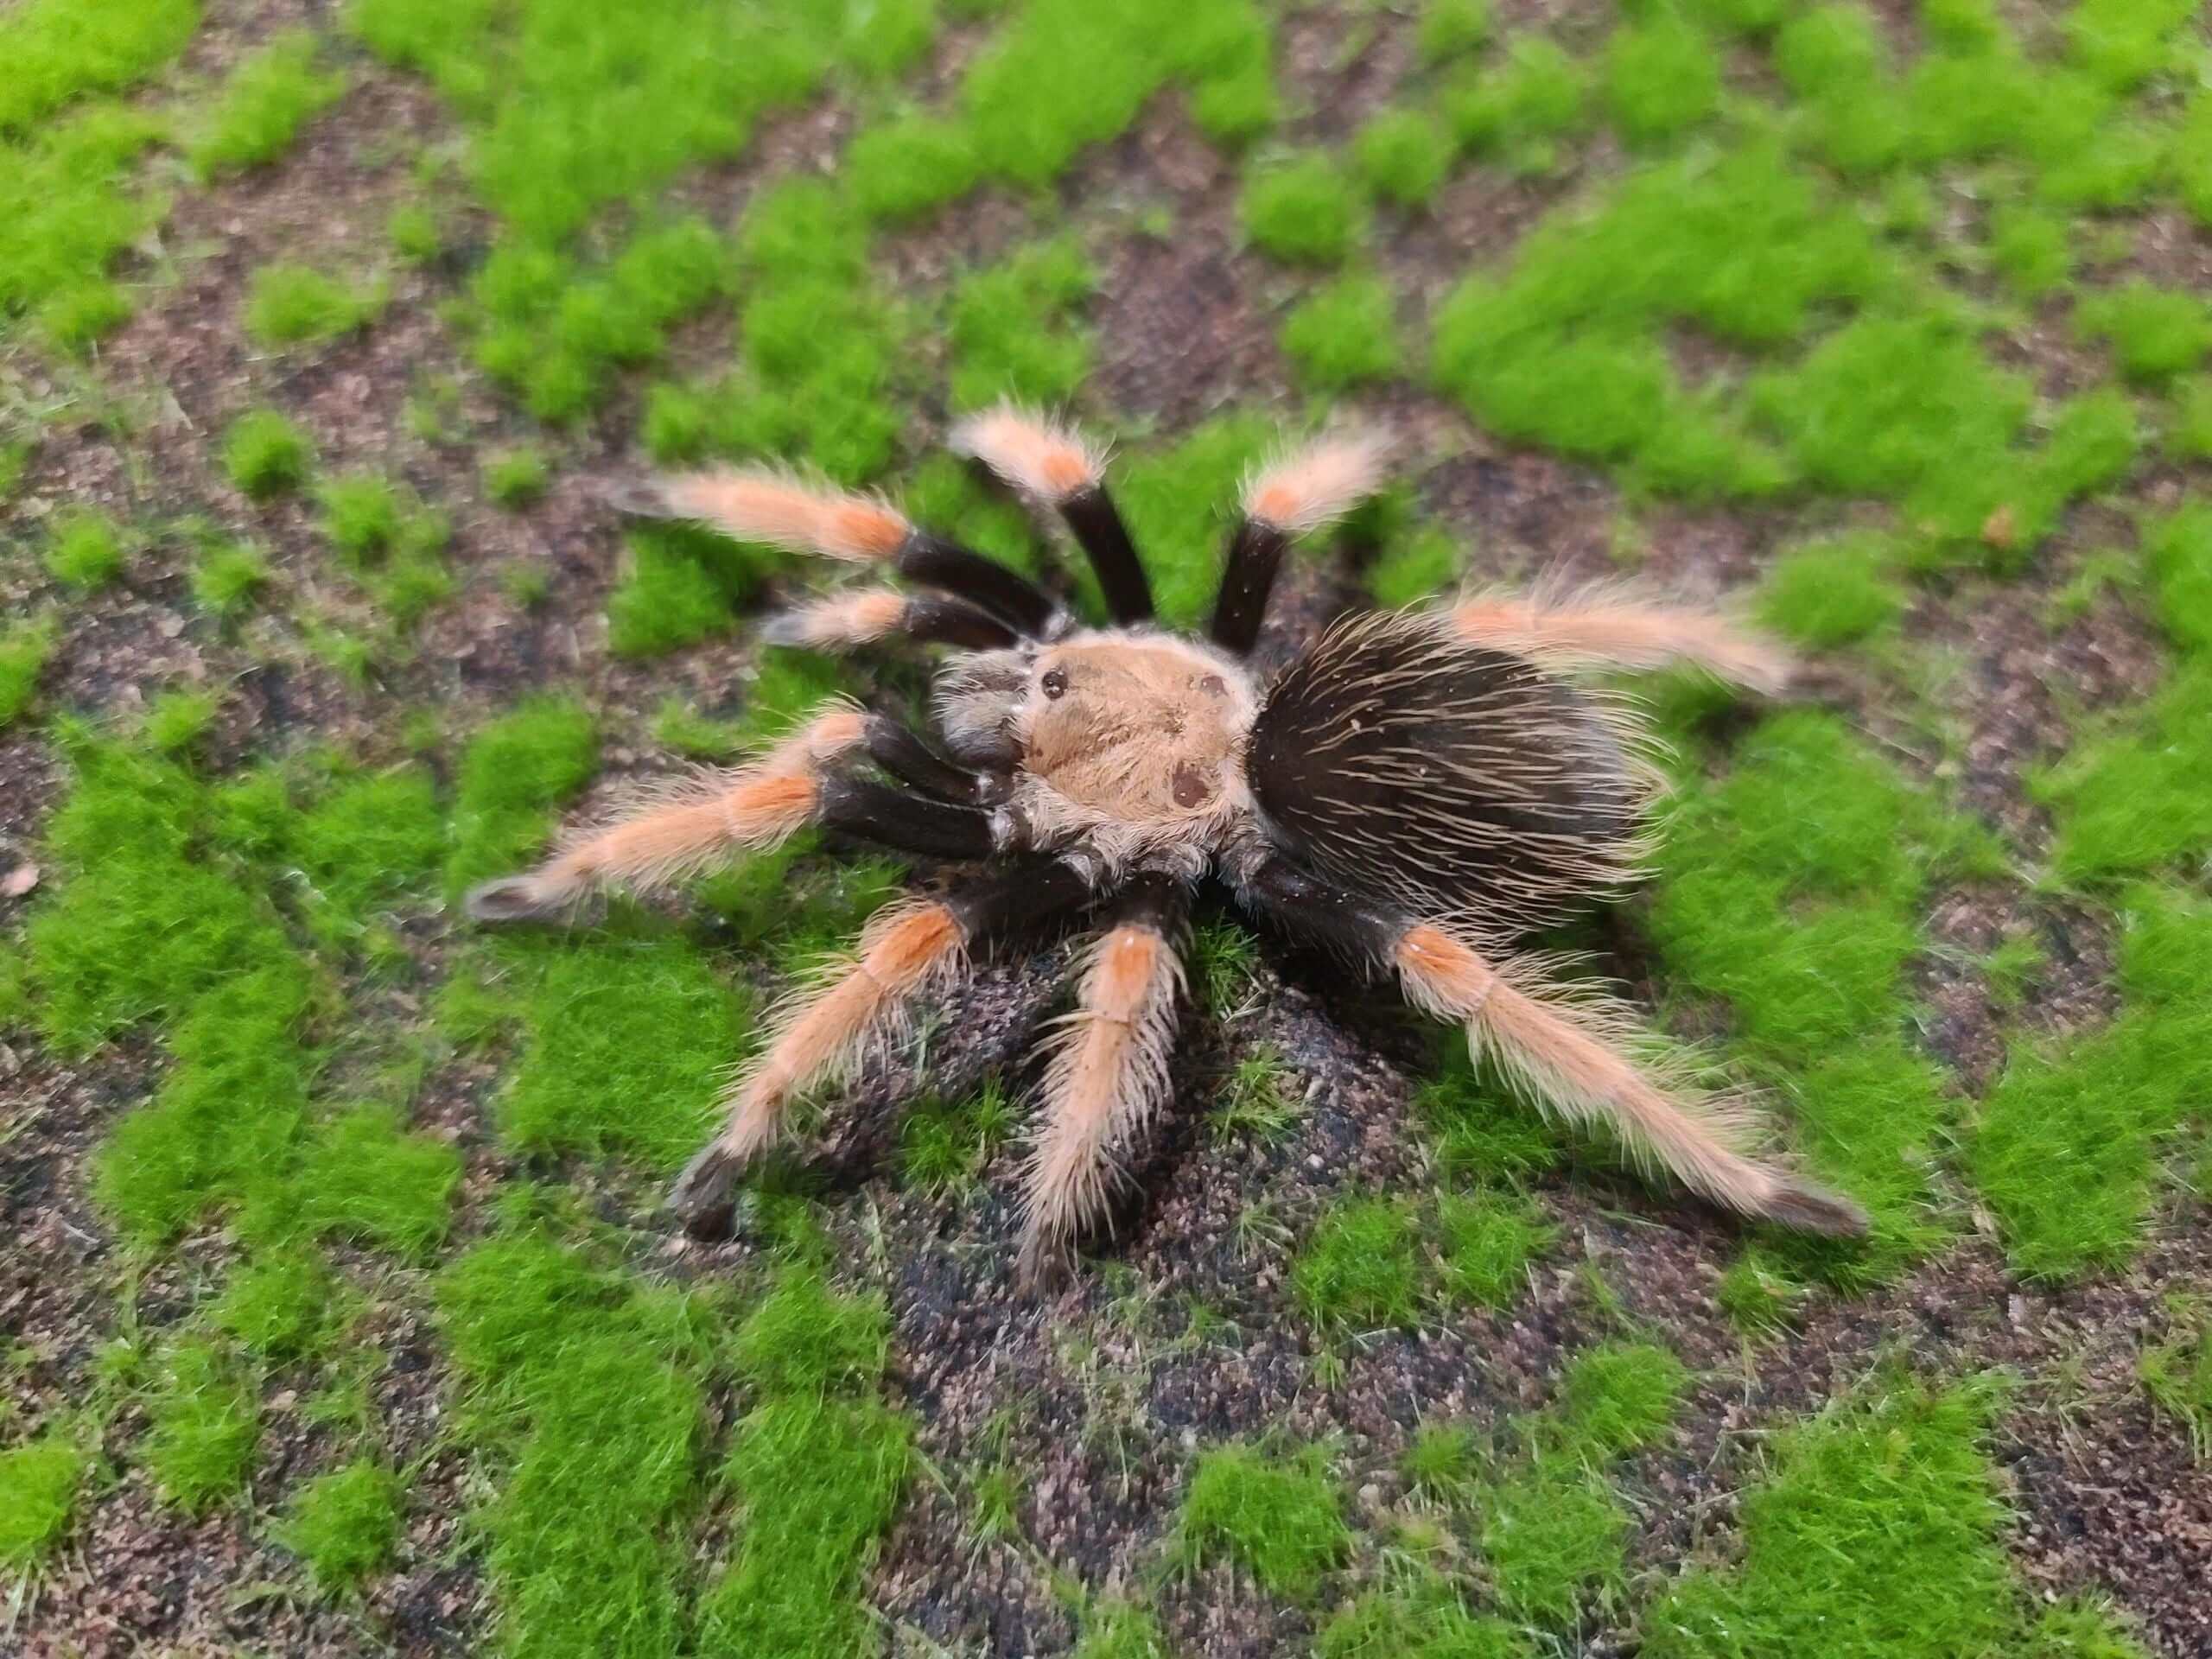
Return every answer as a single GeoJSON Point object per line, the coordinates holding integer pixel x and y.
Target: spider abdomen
{"type": "Point", "coordinates": [1407, 763]}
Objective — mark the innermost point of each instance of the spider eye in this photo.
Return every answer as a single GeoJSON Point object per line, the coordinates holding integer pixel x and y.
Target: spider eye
{"type": "Point", "coordinates": [1055, 683]}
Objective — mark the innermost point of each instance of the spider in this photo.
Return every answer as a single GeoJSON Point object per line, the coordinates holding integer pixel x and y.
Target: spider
{"type": "Point", "coordinates": [1419, 789]}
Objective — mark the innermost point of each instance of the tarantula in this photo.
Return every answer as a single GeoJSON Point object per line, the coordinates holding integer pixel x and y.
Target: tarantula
{"type": "Point", "coordinates": [1418, 790]}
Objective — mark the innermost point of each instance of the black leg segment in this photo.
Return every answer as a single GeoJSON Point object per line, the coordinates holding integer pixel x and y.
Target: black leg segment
{"type": "Point", "coordinates": [1091, 515]}
{"type": "Point", "coordinates": [934, 562]}
{"type": "Point", "coordinates": [906, 823]}
{"type": "Point", "coordinates": [902, 753]}
{"type": "Point", "coordinates": [1256, 551]}
{"type": "Point", "coordinates": [1317, 911]}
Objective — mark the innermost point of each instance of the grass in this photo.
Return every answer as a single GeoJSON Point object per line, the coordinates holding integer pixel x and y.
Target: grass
{"type": "Point", "coordinates": [1278, 1517]}
{"type": "Point", "coordinates": [262, 105]}
{"type": "Point", "coordinates": [1875, 1533]}
{"type": "Point", "coordinates": [2177, 1376]}
{"type": "Point", "coordinates": [25, 648]}
{"type": "Point", "coordinates": [205, 1428]}
{"type": "Point", "coordinates": [59, 51]}
{"type": "Point", "coordinates": [1301, 209]}
{"type": "Point", "coordinates": [1361, 1267]}
{"type": "Point", "coordinates": [88, 551]}
{"type": "Point", "coordinates": [516, 478]}
{"type": "Point", "coordinates": [624, 1048]}
{"type": "Point", "coordinates": [280, 1307]}
{"type": "Point", "coordinates": [514, 774]}
{"type": "Point", "coordinates": [1490, 1240]}
{"type": "Point", "coordinates": [344, 1525]}
{"type": "Point", "coordinates": [2066, 1152]}
{"type": "Point", "coordinates": [1554, 1538]}
{"type": "Point", "coordinates": [1345, 334]}
{"type": "Point", "coordinates": [1831, 593]}
{"type": "Point", "coordinates": [265, 453]}
{"type": "Point", "coordinates": [40, 1481]}
{"type": "Point", "coordinates": [1403, 156]}
{"type": "Point", "coordinates": [297, 305]}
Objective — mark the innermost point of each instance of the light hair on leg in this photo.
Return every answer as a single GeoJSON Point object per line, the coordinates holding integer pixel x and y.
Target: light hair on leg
{"type": "Point", "coordinates": [817, 1037]}
{"type": "Point", "coordinates": [1043, 459]}
{"type": "Point", "coordinates": [839, 621]}
{"type": "Point", "coordinates": [781, 509]}
{"type": "Point", "coordinates": [1108, 1079]}
{"type": "Point", "coordinates": [1569, 1055]}
{"type": "Point", "coordinates": [1611, 627]}
{"type": "Point", "coordinates": [683, 827]}
{"type": "Point", "coordinates": [1303, 489]}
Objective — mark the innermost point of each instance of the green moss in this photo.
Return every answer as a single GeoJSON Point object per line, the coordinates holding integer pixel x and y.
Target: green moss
{"type": "Point", "coordinates": [25, 648]}
{"type": "Point", "coordinates": [280, 1307]}
{"type": "Point", "coordinates": [265, 454]}
{"type": "Point", "coordinates": [515, 477]}
{"type": "Point", "coordinates": [1427, 1622]}
{"type": "Point", "coordinates": [818, 1467]}
{"type": "Point", "coordinates": [943, 1148]}
{"type": "Point", "coordinates": [2189, 433]}
{"type": "Point", "coordinates": [364, 516]}
{"type": "Point", "coordinates": [2177, 551]}
{"type": "Point", "coordinates": [367, 842]}
{"type": "Point", "coordinates": [2155, 333]}
{"type": "Point", "coordinates": [1481, 1134]}
{"type": "Point", "coordinates": [2122, 43]}
{"type": "Point", "coordinates": [262, 105]}
{"type": "Point", "coordinates": [362, 1177]}
{"type": "Point", "coordinates": [1344, 334]}
{"type": "Point", "coordinates": [2089, 1629]}
{"type": "Point", "coordinates": [669, 598]}
{"type": "Point", "coordinates": [2066, 1153]}
{"type": "Point", "coordinates": [294, 305]}
{"type": "Point", "coordinates": [69, 206]}
{"type": "Point", "coordinates": [1451, 28]}
{"type": "Point", "coordinates": [626, 1047]}
{"type": "Point", "coordinates": [1439, 1459]}
{"type": "Point", "coordinates": [1361, 1267]}
{"type": "Point", "coordinates": [1009, 328]}
{"type": "Point", "coordinates": [1489, 1239]}
{"type": "Point", "coordinates": [1118, 1630]}
{"type": "Point", "coordinates": [1302, 209]}
{"type": "Point", "coordinates": [1278, 1517]}
{"type": "Point", "coordinates": [1875, 1533]}
{"type": "Point", "coordinates": [1662, 77]}
{"type": "Point", "coordinates": [416, 232]}
{"type": "Point", "coordinates": [1792, 889]}
{"type": "Point", "coordinates": [228, 578]}
{"type": "Point", "coordinates": [1255, 1105]}
{"type": "Point", "coordinates": [344, 1525]}
{"type": "Point", "coordinates": [2030, 249]}
{"type": "Point", "coordinates": [205, 1428]}
{"type": "Point", "coordinates": [513, 776]}
{"type": "Point", "coordinates": [583, 1389]}
{"type": "Point", "coordinates": [2177, 1376]}
{"type": "Point", "coordinates": [1402, 155]}
{"type": "Point", "coordinates": [177, 719]}
{"type": "Point", "coordinates": [1520, 108]}
{"type": "Point", "coordinates": [1415, 567]}
{"type": "Point", "coordinates": [2136, 798]}
{"type": "Point", "coordinates": [1554, 1538]}
{"type": "Point", "coordinates": [39, 1483]}
{"type": "Point", "coordinates": [1617, 1397]}
{"type": "Point", "coordinates": [87, 551]}
{"type": "Point", "coordinates": [61, 50]}
{"type": "Point", "coordinates": [1759, 1294]}
{"type": "Point", "coordinates": [903, 169]}
{"type": "Point", "coordinates": [1831, 593]}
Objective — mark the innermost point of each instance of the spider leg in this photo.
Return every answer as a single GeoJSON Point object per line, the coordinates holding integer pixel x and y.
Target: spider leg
{"type": "Point", "coordinates": [843, 621]}
{"type": "Point", "coordinates": [757, 504]}
{"type": "Point", "coordinates": [1569, 1054]}
{"type": "Point", "coordinates": [908, 756]}
{"type": "Point", "coordinates": [1109, 1075]}
{"type": "Point", "coordinates": [904, 950]}
{"type": "Point", "coordinates": [1297, 492]}
{"type": "Point", "coordinates": [1601, 629]}
{"type": "Point", "coordinates": [713, 814]}
{"type": "Point", "coordinates": [1052, 466]}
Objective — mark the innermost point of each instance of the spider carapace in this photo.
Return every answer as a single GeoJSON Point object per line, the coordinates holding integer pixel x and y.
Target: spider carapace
{"type": "Point", "coordinates": [1420, 790]}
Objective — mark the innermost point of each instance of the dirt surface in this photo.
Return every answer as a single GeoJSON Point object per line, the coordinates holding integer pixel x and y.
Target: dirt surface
{"type": "Point", "coordinates": [1099, 1394]}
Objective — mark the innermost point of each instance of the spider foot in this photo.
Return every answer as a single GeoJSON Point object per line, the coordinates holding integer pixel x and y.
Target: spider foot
{"type": "Point", "coordinates": [1811, 1209]}
{"type": "Point", "coordinates": [1045, 1267]}
{"type": "Point", "coordinates": [704, 1196]}
{"type": "Point", "coordinates": [510, 898]}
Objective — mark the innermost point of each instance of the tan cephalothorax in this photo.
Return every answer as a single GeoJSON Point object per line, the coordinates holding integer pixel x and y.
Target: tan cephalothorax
{"type": "Point", "coordinates": [1419, 789]}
